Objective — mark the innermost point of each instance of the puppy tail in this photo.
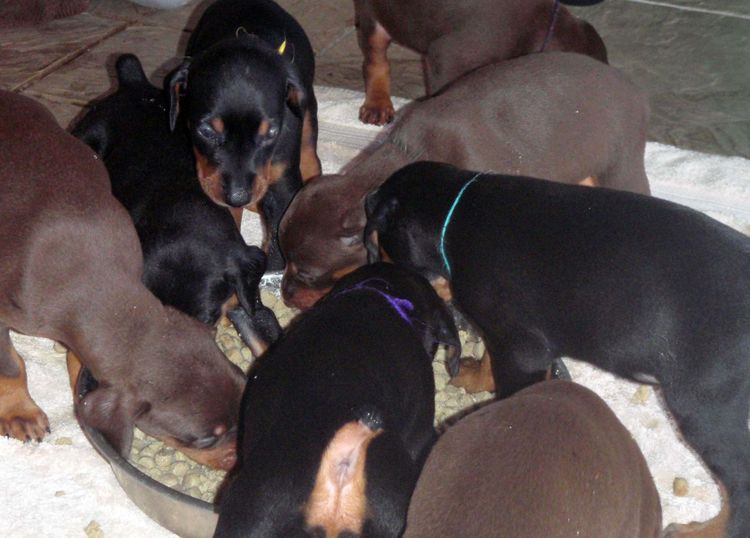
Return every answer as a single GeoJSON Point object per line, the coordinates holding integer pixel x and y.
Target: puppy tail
{"type": "Point", "coordinates": [130, 72]}
{"type": "Point", "coordinates": [379, 214]}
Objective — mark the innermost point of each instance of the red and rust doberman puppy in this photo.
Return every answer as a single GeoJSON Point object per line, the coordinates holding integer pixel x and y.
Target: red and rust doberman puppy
{"type": "Point", "coordinates": [551, 461]}
{"type": "Point", "coordinates": [526, 116]}
{"type": "Point", "coordinates": [642, 287]}
{"type": "Point", "coordinates": [246, 94]}
{"type": "Point", "coordinates": [455, 38]}
{"type": "Point", "coordinates": [70, 270]}
{"type": "Point", "coordinates": [338, 414]}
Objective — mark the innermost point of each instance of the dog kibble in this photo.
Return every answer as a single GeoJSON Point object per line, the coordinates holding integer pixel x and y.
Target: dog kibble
{"type": "Point", "coordinates": [63, 441]}
{"type": "Point", "coordinates": [642, 394]}
{"type": "Point", "coordinates": [173, 469]}
{"type": "Point", "coordinates": [680, 487]}
{"type": "Point", "coordinates": [93, 530]}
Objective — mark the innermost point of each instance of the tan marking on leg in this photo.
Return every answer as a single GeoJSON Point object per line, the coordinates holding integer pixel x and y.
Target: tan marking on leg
{"type": "Point", "coordinates": [443, 288]}
{"type": "Point", "coordinates": [590, 181]}
{"type": "Point", "coordinates": [74, 371]}
{"type": "Point", "coordinates": [20, 417]}
{"type": "Point", "coordinates": [715, 527]}
{"type": "Point", "coordinates": [309, 164]}
{"type": "Point", "coordinates": [209, 178]}
{"type": "Point", "coordinates": [475, 377]}
{"type": "Point", "coordinates": [377, 108]}
{"type": "Point", "coordinates": [338, 502]}
{"type": "Point", "coordinates": [229, 304]}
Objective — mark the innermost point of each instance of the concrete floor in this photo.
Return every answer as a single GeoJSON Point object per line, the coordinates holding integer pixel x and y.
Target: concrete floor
{"type": "Point", "coordinates": [690, 56]}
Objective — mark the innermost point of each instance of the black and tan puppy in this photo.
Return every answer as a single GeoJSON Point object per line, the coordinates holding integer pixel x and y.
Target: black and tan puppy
{"type": "Point", "coordinates": [551, 461]}
{"type": "Point", "coordinates": [454, 38]}
{"type": "Point", "coordinates": [642, 287]}
{"type": "Point", "coordinates": [194, 256]}
{"type": "Point", "coordinates": [338, 413]}
{"type": "Point", "coordinates": [246, 94]}
{"type": "Point", "coordinates": [70, 270]}
{"type": "Point", "coordinates": [526, 116]}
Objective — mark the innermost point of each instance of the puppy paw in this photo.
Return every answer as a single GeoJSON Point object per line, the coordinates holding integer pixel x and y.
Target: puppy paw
{"type": "Point", "coordinates": [376, 112]}
{"type": "Point", "coordinates": [473, 376]}
{"type": "Point", "coordinates": [22, 419]}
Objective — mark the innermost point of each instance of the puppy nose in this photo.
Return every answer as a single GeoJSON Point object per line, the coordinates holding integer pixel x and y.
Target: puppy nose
{"type": "Point", "coordinates": [238, 198]}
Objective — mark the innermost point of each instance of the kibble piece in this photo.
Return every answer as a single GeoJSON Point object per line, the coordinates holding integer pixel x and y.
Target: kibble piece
{"type": "Point", "coordinates": [93, 530]}
{"type": "Point", "coordinates": [680, 487]}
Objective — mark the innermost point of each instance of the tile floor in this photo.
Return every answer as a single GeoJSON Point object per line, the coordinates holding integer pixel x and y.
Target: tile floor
{"type": "Point", "coordinates": [690, 56]}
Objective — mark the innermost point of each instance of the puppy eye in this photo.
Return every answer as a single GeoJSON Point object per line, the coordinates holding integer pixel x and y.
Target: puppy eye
{"type": "Point", "coordinates": [208, 133]}
{"type": "Point", "coordinates": [273, 130]}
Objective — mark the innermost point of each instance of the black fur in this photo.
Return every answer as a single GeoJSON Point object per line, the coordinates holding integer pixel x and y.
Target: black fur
{"type": "Point", "coordinates": [194, 256]}
{"type": "Point", "coordinates": [638, 286]}
{"type": "Point", "coordinates": [350, 357]}
{"type": "Point", "coordinates": [234, 72]}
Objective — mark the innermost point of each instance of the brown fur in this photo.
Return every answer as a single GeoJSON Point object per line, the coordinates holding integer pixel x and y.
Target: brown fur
{"type": "Point", "coordinates": [72, 272]}
{"type": "Point", "coordinates": [551, 461]}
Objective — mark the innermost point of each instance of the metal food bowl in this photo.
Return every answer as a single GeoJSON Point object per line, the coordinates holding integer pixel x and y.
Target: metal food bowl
{"type": "Point", "coordinates": [178, 512]}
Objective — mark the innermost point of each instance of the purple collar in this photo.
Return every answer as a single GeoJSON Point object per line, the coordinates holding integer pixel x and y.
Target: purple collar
{"type": "Point", "coordinates": [402, 306]}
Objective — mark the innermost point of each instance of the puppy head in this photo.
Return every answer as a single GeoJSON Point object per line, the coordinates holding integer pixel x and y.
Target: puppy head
{"type": "Point", "coordinates": [181, 390]}
{"type": "Point", "coordinates": [406, 214]}
{"type": "Point", "coordinates": [321, 237]}
{"type": "Point", "coordinates": [428, 315]}
{"type": "Point", "coordinates": [243, 104]}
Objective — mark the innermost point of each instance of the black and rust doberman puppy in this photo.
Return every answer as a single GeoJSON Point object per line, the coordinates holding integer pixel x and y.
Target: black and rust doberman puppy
{"type": "Point", "coordinates": [338, 414]}
{"type": "Point", "coordinates": [194, 256]}
{"type": "Point", "coordinates": [642, 287]}
{"type": "Point", "coordinates": [526, 116]}
{"type": "Point", "coordinates": [246, 93]}
{"type": "Point", "coordinates": [455, 38]}
{"type": "Point", "coordinates": [70, 270]}
{"type": "Point", "coordinates": [553, 460]}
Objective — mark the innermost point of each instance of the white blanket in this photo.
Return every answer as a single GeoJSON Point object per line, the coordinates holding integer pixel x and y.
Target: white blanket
{"type": "Point", "coordinates": [59, 487]}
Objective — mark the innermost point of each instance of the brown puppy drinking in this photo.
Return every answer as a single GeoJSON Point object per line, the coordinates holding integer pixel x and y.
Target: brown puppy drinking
{"type": "Point", "coordinates": [70, 270]}
{"type": "Point", "coordinates": [560, 116]}
{"type": "Point", "coordinates": [552, 460]}
{"type": "Point", "coordinates": [455, 38]}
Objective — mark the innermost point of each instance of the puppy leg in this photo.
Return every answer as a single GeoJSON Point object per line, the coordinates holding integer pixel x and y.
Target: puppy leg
{"type": "Point", "coordinates": [374, 41]}
{"type": "Point", "coordinates": [446, 60]}
{"type": "Point", "coordinates": [473, 377]}
{"type": "Point", "coordinates": [519, 359]}
{"type": "Point", "coordinates": [309, 164]}
{"type": "Point", "coordinates": [20, 417]}
{"type": "Point", "coordinates": [714, 422]}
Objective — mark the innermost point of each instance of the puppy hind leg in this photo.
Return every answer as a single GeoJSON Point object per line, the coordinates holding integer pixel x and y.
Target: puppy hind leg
{"type": "Point", "coordinates": [519, 360]}
{"type": "Point", "coordinates": [715, 425]}
{"type": "Point", "coordinates": [20, 417]}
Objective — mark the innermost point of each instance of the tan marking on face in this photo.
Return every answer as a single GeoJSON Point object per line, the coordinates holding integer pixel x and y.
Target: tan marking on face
{"type": "Point", "coordinates": [209, 178]}
{"type": "Point", "coordinates": [590, 181]}
{"type": "Point", "coordinates": [475, 377]}
{"type": "Point", "coordinates": [303, 298]}
{"type": "Point", "coordinates": [218, 124]}
{"type": "Point", "coordinates": [715, 527]}
{"type": "Point", "coordinates": [443, 288]}
{"type": "Point", "coordinates": [268, 175]}
{"type": "Point", "coordinates": [338, 502]}
{"type": "Point", "coordinates": [230, 304]}
{"type": "Point", "coordinates": [236, 213]}
{"type": "Point", "coordinates": [309, 164]}
{"type": "Point", "coordinates": [340, 273]}
{"type": "Point", "coordinates": [264, 127]}
{"type": "Point", "coordinates": [20, 417]}
{"type": "Point", "coordinates": [222, 456]}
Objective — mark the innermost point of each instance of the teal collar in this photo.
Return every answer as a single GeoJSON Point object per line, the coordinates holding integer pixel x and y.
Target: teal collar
{"type": "Point", "coordinates": [448, 219]}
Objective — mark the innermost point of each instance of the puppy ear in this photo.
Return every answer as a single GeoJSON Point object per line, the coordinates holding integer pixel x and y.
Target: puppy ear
{"type": "Point", "coordinates": [94, 135]}
{"type": "Point", "coordinates": [379, 215]}
{"type": "Point", "coordinates": [296, 97]}
{"type": "Point", "coordinates": [177, 84]}
{"type": "Point", "coordinates": [113, 414]}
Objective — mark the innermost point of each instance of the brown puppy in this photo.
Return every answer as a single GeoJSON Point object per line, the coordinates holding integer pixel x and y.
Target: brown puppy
{"type": "Point", "coordinates": [551, 461]}
{"type": "Point", "coordinates": [540, 115]}
{"type": "Point", "coordinates": [70, 270]}
{"type": "Point", "coordinates": [455, 38]}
